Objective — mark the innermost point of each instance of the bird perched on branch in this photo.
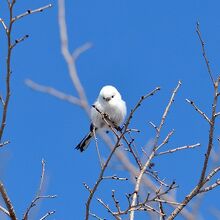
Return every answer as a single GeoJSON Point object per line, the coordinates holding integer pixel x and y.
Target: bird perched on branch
{"type": "Point", "coordinates": [110, 104]}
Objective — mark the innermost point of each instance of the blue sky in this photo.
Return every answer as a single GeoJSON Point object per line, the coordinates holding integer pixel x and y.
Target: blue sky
{"type": "Point", "coordinates": [137, 45]}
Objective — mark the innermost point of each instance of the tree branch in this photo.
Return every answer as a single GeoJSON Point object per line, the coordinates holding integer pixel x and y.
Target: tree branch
{"type": "Point", "coordinates": [204, 52]}
{"type": "Point", "coordinates": [28, 12]}
{"type": "Point", "coordinates": [7, 202]}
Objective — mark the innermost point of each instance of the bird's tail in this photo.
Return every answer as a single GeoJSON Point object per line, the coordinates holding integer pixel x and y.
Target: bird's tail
{"type": "Point", "coordinates": [85, 142]}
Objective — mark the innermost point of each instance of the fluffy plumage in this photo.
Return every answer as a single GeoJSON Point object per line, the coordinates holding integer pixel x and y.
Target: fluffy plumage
{"type": "Point", "coordinates": [109, 102]}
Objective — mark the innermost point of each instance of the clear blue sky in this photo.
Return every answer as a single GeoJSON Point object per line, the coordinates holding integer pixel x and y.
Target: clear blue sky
{"type": "Point", "coordinates": [137, 45]}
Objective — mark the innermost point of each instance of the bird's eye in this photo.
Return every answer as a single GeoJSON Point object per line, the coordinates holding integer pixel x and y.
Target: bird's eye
{"type": "Point", "coordinates": [112, 96]}
{"type": "Point", "coordinates": [103, 98]}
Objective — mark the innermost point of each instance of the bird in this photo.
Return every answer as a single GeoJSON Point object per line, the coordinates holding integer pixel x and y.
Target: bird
{"type": "Point", "coordinates": [109, 103]}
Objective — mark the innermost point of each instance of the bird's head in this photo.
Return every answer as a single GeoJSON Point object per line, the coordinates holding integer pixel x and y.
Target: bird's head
{"type": "Point", "coordinates": [108, 94]}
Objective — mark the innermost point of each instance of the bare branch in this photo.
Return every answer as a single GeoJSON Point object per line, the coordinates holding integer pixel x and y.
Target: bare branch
{"type": "Point", "coordinates": [87, 187]}
{"type": "Point", "coordinates": [97, 147]}
{"type": "Point", "coordinates": [68, 57]}
{"type": "Point", "coordinates": [95, 216]}
{"type": "Point", "coordinates": [7, 202]}
{"type": "Point", "coordinates": [5, 100]}
{"type": "Point", "coordinates": [139, 104]}
{"type": "Point", "coordinates": [154, 126]}
{"type": "Point", "coordinates": [4, 211]}
{"type": "Point", "coordinates": [212, 173]}
{"type": "Point", "coordinates": [109, 210]}
{"type": "Point", "coordinates": [135, 172]}
{"type": "Point", "coordinates": [115, 147]}
{"type": "Point", "coordinates": [4, 143]}
{"type": "Point", "coordinates": [204, 52]}
{"type": "Point", "coordinates": [155, 176]}
{"type": "Point", "coordinates": [42, 177]}
{"type": "Point", "coordinates": [208, 188]}
{"type": "Point", "coordinates": [28, 12]}
{"type": "Point", "coordinates": [166, 201]}
{"type": "Point", "coordinates": [8, 71]}
{"type": "Point", "coordinates": [202, 179]}
{"type": "Point", "coordinates": [20, 40]}
{"type": "Point", "coordinates": [100, 178]}
{"type": "Point", "coordinates": [108, 121]}
{"type": "Point", "coordinates": [179, 148]}
{"type": "Point", "coordinates": [217, 114]}
{"type": "Point", "coordinates": [114, 177]}
{"type": "Point", "coordinates": [167, 110]}
{"type": "Point", "coordinates": [2, 101]}
{"type": "Point", "coordinates": [116, 201]}
{"type": "Point", "coordinates": [10, 46]}
{"type": "Point", "coordinates": [211, 133]}
{"type": "Point", "coordinates": [159, 193]}
{"type": "Point", "coordinates": [143, 170]}
{"type": "Point", "coordinates": [198, 110]}
{"type": "Point", "coordinates": [38, 195]}
{"type": "Point", "coordinates": [4, 25]}
{"type": "Point", "coordinates": [78, 51]}
{"type": "Point", "coordinates": [47, 214]}
{"type": "Point", "coordinates": [54, 92]}
{"type": "Point", "coordinates": [166, 140]}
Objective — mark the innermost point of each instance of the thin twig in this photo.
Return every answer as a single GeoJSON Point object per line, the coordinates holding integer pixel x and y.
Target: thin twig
{"type": "Point", "coordinates": [116, 201]}
{"type": "Point", "coordinates": [42, 178]}
{"type": "Point", "coordinates": [153, 125]}
{"type": "Point", "coordinates": [28, 12]}
{"type": "Point", "coordinates": [108, 209]}
{"type": "Point", "coordinates": [166, 111]}
{"type": "Point", "coordinates": [130, 149]}
{"type": "Point", "coordinates": [208, 188]}
{"type": "Point", "coordinates": [178, 149]}
{"type": "Point", "coordinates": [166, 140]}
{"type": "Point", "coordinates": [139, 104]}
{"type": "Point", "coordinates": [47, 214]}
{"type": "Point", "coordinates": [162, 217]}
{"type": "Point", "coordinates": [204, 52]}
{"type": "Point", "coordinates": [2, 101]}
{"type": "Point", "coordinates": [38, 195]}
{"type": "Point", "coordinates": [159, 194]}
{"type": "Point", "coordinates": [4, 143]}
{"type": "Point", "coordinates": [166, 201]}
{"type": "Point", "coordinates": [198, 110]}
{"type": "Point", "coordinates": [8, 70]}
{"type": "Point", "coordinates": [20, 40]}
{"type": "Point", "coordinates": [111, 124]}
{"type": "Point", "coordinates": [78, 51]}
{"type": "Point", "coordinates": [211, 132]}
{"type": "Point", "coordinates": [4, 211]}
{"type": "Point", "coordinates": [97, 148]}
{"type": "Point", "coordinates": [97, 217]}
{"type": "Point", "coordinates": [87, 187]}
{"type": "Point", "coordinates": [217, 114]}
{"type": "Point", "coordinates": [155, 176]}
{"type": "Point", "coordinates": [211, 174]}
{"type": "Point", "coordinates": [114, 177]}
{"type": "Point", "coordinates": [4, 25]}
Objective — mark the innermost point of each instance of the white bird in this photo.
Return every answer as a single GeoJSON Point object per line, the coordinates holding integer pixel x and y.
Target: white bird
{"type": "Point", "coordinates": [109, 102]}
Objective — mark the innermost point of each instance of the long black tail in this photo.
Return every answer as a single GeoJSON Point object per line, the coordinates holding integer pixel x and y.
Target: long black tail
{"type": "Point", "coordinates": [85, 142]}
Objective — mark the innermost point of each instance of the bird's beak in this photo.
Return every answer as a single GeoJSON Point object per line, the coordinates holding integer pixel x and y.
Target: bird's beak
{"type": "Point", "coordinates": [107, 99]}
